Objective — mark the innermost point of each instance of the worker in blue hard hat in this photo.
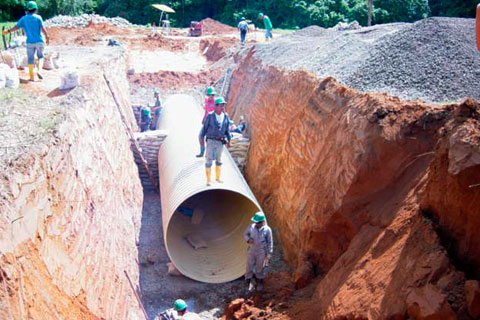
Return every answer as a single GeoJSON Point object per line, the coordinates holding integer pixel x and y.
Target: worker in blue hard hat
{"type": "Point", "coordinates": [259, 238]}
{"type": "Point", "coordinates": [32, 23]}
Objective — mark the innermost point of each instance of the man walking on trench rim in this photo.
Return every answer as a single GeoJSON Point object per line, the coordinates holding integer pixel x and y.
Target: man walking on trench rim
{"type": "Point", "coordinates": [259, 238]}
{"type": "Point", "coordinates": [32, 23]}
{"type": "Point", "coordinates": [268, 26]}
{"type": "Point", "coordinates": [216, 130]}
{"type": "Point", "coordinates": [243, 28]}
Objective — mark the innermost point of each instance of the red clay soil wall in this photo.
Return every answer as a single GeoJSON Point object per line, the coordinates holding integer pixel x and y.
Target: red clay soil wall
{"type": "Point", "coordinates": [70, 214]}
{"type": "Point", "coordinates": [453, 192]}
{"type": "Point", "coordinates": [340, 175]}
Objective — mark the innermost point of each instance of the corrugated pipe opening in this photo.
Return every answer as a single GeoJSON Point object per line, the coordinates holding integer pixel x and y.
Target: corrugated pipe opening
{"type": "Point", "coordinates": [203, 225]}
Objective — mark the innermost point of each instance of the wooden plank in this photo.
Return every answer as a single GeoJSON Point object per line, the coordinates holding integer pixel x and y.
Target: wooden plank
{"type": "Point", "coordinates": [131, 136]}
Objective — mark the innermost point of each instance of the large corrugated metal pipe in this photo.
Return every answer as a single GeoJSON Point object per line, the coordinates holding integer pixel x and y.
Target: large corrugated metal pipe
{"type": "Point", "coordinates": [202, 226]}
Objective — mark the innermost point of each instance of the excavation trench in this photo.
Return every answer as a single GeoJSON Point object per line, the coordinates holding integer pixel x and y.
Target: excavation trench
{"type": "Point", "coordinates": [214, 217]}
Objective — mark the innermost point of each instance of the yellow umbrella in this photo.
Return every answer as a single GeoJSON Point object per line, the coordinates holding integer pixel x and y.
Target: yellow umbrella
{"type": "Point", "coordinates": [163, 7]}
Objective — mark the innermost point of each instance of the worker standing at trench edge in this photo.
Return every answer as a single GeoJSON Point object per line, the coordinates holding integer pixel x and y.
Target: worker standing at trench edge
{"type": "Point", "coordinates": [32, 23]}
{"type": "Point", "coordinates": [217, 133]}
{"type": "Point", "coordinates": [209, 107]}
{"type": "Point", "coordinates": [243, 28]}
{"type": "Point", "coordinates": [267, 24]}
{"type": "Point", "coordinates": [259, 238]}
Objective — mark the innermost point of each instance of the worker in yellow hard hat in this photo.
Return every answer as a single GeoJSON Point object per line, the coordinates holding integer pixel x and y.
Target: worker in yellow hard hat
{"type": "Point", "coordinates": [32, 23]}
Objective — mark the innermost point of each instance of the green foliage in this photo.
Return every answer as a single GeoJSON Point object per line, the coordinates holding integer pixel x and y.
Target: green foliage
{"type": "Point", "coordinates": [283, 13]}
{"type": "Point", "coordinates": [50, 8]}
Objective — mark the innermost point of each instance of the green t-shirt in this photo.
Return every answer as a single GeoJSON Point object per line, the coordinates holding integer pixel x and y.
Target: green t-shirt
{"type": "Point", "coordinates": [267, 23]}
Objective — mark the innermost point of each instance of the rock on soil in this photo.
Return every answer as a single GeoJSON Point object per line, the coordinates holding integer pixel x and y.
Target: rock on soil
{"type": "Point", "coordinates": [84, 20]}
{"type": "Point", "coordinates": [434, 59]}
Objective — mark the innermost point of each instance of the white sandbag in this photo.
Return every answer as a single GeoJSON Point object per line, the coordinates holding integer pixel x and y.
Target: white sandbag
{"type": "Point", "coordinates": [69, 79]}
{"type": "Point", "coordinates": [48, 63]}
{"type": "Point", "coordinates": [9, 60]}
{"type": "Point", "coordinates": [24, 62]}
{"type": "Point", "coordinates": [3, 79]}
{"type": "Point", "coordinates": [12, 78]}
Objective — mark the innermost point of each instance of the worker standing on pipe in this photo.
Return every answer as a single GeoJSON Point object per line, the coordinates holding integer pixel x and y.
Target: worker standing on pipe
{"type": "Point", "coordinates": [32, 23]}
{"type": "Point", "coordinates": [209, 107]}
{"type": "Point", "coordinates": [216, 129]}
{"type": "Point", "coordinates": [259, 238]}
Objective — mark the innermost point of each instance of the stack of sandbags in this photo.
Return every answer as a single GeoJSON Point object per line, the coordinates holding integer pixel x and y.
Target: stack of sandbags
{"type": "Point", "coordinates": [239, 150]}
{"type": "Point", "coordinates": [149, 143]}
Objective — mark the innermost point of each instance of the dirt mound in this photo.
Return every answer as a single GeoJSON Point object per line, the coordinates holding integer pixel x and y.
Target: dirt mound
{"type": "Point", "coordinates": [172, 80]}
{"type": "Point", "coordinates": [155, 42]}
{"type": "Point", "coordinates": [210, 26]}
{"type": "Point", "coordinates": [216, 49]}
{"type": "Point", "coordinates": [346, 208]}
{"type": "Point", "coordinates": [246, 309]}
{"type": "Point", "coordinates": [453, 190]}
{"type": "Point", "coordinates": [91, 35]}
{"type": "Point", "coordinates": [434, 59]}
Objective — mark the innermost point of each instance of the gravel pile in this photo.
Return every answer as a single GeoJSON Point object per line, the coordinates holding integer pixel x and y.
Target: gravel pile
{"type": "Point", "coordinates": [434, 59]}
{"type": "Point", "coordinates": [83, 20]}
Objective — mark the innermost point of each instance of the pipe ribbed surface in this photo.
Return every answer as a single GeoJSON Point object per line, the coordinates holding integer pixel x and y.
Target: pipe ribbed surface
{"type": "Point", "coordinates": [221, 212]}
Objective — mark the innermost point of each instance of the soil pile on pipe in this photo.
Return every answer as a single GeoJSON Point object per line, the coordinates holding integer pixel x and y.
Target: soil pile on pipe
{"type": "Point", "coordinates": [434, 59]}
{"type": "Point", "coordinates": [213, 27]}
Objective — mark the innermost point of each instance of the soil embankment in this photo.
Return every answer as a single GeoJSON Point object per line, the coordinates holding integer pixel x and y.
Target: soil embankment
{"type": "Point", "coordinates": [342, 175]}
{"type": "Point", "coordinates": [70, 215]}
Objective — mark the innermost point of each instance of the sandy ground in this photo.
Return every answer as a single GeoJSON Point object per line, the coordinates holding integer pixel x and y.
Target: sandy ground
{"type": "Point", "coordinates": [154, 61]}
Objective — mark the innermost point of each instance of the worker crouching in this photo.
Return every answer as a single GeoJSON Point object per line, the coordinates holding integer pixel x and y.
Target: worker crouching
{"type": "Point", "coordinates": [260, 248]}
{"type": "Point", "coordinates": [217, 133]}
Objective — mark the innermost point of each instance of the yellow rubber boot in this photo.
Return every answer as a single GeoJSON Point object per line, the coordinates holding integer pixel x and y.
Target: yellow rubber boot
{"type": "Point", "coordinates": [40, 68]}
{"type": "Point", "coordinates": [208, 172]}
{"type": "Point", "coordinates": [30, 72]}
{"type": "Point", "coordinates": [218, 171]}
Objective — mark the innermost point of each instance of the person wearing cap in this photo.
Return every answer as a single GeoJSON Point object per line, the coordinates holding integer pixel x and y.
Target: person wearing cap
{"type": "Point", "coordinates": [145, 118]}
{"type": "Point", "coordinates": [217, 133]}
{"type": "Point", "coordinates": [243, 28]}
{"type": "Point", "coordinates": [157, 110]}
{"type": "Point", "coordinates": [268, 25]}
{"type": "Point", "coordinates": [259, 238]}
{"type": "Point", "coordinates": [208, 107]}
{"type": "Point", "coordinates": [179, 311]}
{"type": "Point", "coordinates": [32, 23]}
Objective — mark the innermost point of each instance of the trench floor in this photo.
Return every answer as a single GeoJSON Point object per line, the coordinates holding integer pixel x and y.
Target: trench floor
{"type": "Point", "coordinates": [159, 290]}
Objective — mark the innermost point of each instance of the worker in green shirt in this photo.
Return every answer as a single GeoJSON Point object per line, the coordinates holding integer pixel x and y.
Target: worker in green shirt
{"type": "Point", "coordinates": [268, 25]}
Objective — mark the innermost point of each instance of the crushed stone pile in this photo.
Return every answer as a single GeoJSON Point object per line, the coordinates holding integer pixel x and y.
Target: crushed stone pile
{"type": "Point", "coordinates": [434, 59]}
{"type": "Point", "coordinates": [84, 20]}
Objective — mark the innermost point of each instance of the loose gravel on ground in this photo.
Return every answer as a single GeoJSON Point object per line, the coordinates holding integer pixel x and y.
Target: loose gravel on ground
{"type": "Point", "coordinates": [434, 59]}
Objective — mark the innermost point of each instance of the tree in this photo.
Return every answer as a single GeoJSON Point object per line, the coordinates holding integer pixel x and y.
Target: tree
{"type": "Point", "coordinates": [370, 12]}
